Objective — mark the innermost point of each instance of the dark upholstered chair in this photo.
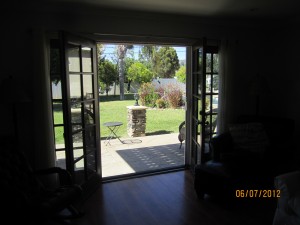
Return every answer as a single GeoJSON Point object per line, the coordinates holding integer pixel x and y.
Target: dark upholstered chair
{"type": "Point", "coordinates": [288, 206]}
{"type": "Point", "coordinates": [24, 197]}
{"type": "Point", "coordinates": [230, 168]}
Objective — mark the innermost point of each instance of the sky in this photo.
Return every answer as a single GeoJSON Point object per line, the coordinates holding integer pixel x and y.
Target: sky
{"type": "Point", "coordinates": [109, 51]}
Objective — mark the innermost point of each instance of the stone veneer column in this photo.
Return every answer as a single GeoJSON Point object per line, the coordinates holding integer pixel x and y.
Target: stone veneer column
{"type": "Point", "coordinates": [136, 121]}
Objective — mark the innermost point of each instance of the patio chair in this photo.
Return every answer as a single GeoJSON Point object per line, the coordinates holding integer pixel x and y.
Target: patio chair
{"type": "Point", "coordinates": [182, 131]}
{"type": "Point", "coordinates": [181, 135]}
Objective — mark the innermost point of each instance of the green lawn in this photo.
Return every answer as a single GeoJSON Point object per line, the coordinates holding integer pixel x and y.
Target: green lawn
{"type": "Point", "coordinates": [158, 121]}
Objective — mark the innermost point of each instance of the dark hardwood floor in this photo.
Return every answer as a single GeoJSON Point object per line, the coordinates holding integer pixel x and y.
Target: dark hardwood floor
{"type": "Point", "coordinates": [167, 199]}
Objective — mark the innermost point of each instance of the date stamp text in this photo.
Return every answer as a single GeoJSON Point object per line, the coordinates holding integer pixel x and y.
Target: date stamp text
{"type": "Point", "coordinates": [252, 193]}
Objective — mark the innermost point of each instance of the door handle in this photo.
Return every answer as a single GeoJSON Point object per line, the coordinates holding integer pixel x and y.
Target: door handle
{"type": "Point", "coordinates": [204, 115]}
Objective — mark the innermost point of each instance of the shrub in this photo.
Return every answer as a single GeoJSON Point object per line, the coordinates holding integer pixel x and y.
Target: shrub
{"type": "Point", "coordinates": [160, 103]}
{"type": "Point", "coordinates": [151, 99]}
{"type": "Point", "coordinates": [144, 90]}
{"type": "Point", "coordinates": [174, 95]}
{"type": "Point", "coordinates": [161, 91]}
{"type": "Point", "coordinates": [148, 96]}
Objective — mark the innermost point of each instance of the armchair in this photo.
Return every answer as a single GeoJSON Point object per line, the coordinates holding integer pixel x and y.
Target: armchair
{"type": "Point", "coordinates": [288, 205]}
{"type": "Point", "coordinates": [252, 167]}
{"type": "Point", "coordinates": [25, 199]}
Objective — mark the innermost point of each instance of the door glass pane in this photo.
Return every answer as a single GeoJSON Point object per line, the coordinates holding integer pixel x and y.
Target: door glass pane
{"type": "Point", "coordinates": [207, 103]}
{"type": "Point", "coordinates": [74, 59]}
{"type": "Point", "coordinates": [56, 89]}
{"type": "Point", "coordinates": [198, 149]}
{"type": "Point", "coordinates": [86, 59]}
{"type": "Point", "coordinates": [197, 108]}
{"type": "Point", "coordinates": [207, 124]}
{"type": "Point", "coordinates": [78, 140]}
{"type": "Point", "coordinates": [90, 135]}
{"type": "Point", "coordinates": [199, 134]}
{"type": "Point", "coordinates": [215, 103]}
{"type": "Point", "coordinates": [214, 123]}
{"type": "Point", "coordinates": [61, 159]}
{"type": "Point", "coordinates": [59, 137]}
{"type": "Point", "coordinates": [194, 128]}
{"type": "Point", "coordinates": [88, 86]}
{"type": "Point", "coordinates": [216, 63]}
{"type": "Point", "coordinates": [89, 113]}
{"type": "Point", "coordinates": [76, 129]}
{"type": "Point", "coordinates": [196, 83]}
{"type": "Point", "coordinates": [55, 68]}
{"type": "Point", "coordinates": [76, 115]}
{"type": "Point", "coordinates": [75, 87]}
{"type": "Point", "coordinates": [80, 164]}
{"type": "Point", "coordinates": [91, 163]}
{"type": "Point", "coordinates": [208, 62]}
{"type": "Point", "coordinates": [200, 60]}
{"type": "Point", "coordinates": [208, 83]}
{"type": "Point", "coordinates": [216, 83]}
{"type": "Point", "coordinates": [57, 113]}
{"type": "Point", "coordinates": [199, 116]}
{"type": "Point", "coordinates": [200, 78]}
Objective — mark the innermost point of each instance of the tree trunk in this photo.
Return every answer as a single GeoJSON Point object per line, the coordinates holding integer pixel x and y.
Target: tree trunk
{"type": "Point", "coordinates": [121, 51]}
{"type": "Point", "coordinates": [115, 88]}
{"type": "Point", "coordinates": [128, 86]}
{"type": "Point", "coordinates": [121, 77]}
{"type": "Point", "coordinates": [106, 90]}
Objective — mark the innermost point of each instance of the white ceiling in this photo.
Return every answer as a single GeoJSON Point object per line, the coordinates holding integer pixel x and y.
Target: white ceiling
{"type": "Point", "coordinates": [208, 8]}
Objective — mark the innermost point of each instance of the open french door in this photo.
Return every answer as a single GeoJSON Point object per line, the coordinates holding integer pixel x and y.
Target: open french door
{"type": "Point", "coordinates": [204, 100]}
{"type": "Point", "coordinates": [81, 108]}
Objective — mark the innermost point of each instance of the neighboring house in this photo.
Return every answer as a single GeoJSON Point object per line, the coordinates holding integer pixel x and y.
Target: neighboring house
{"type": "Point", "coordinates": [163, 82]}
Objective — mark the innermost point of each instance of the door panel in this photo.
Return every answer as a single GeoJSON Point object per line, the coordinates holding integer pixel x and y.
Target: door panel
{"type": "Point", "coordinates": [205, 86]}
{"type": "Point", "coordinates": [197, 102]}
{"type": "Point", "coordinates": [83, 154]}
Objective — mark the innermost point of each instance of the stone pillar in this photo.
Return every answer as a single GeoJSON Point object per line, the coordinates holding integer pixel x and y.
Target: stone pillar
{"type": "Point", "coordinates": [136, 121]}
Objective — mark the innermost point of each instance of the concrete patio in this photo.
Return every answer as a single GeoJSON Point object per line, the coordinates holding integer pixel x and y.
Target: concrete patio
{"type": "Point", "coordinates": [140, 154]}
{"type": "Point", "coordinates": [134, 155]}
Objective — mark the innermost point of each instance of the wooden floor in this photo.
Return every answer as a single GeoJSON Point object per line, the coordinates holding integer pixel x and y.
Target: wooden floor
{"type": "Point", "coordinates": [166, 199]}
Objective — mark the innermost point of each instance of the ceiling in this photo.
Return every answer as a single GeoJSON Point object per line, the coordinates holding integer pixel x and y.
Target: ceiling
{"type": "Point", "coordinates": [207, 8]}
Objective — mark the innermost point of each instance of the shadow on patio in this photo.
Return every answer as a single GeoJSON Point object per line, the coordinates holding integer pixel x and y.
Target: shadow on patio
{"type": "Point", "coordinates": [153, 158]}
{"type": "Point", "coordinates": [141, 154]}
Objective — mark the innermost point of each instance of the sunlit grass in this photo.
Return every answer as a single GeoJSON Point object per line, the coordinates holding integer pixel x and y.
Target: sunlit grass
{"type": "Point", "coordinates": [158, 121]}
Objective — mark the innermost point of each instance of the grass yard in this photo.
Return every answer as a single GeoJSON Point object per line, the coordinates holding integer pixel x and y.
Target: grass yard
{"type": "Point", "coordinates": [158, 121]}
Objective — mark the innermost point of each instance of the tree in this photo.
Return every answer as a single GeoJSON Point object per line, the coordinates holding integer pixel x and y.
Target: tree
{"type": "Point", "coordinates": [107, 73]}
{"type": "Point", "coordinates": [121, 53]}
{"type": "Point", "coordinates": [100, 51]}
{"type": "Point", "coordinates": [168, 62]}
{"type": "Point", "coordinates": [138, 72]}
{"type": "Point", "coordinates": [148, 56]}
{"type": "Point", "coordinates": [147, 52]}
{"type": "Point", "coordinates": [181, 74]}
